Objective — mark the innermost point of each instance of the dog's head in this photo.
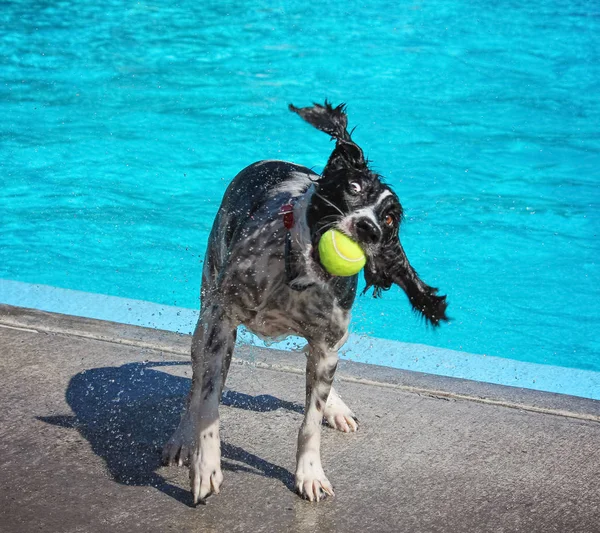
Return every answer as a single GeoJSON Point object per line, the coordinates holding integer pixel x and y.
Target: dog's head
{"type": "Point", "coordinates": [353, 199]}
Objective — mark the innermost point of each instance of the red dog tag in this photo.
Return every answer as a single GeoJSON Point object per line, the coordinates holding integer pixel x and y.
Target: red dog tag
{"type": "Point", "coordinates": [287, 210]}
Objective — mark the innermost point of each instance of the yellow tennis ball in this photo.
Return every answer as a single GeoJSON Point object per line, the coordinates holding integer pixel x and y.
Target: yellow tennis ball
{"type": "Point", "coordinates": [340, 255]}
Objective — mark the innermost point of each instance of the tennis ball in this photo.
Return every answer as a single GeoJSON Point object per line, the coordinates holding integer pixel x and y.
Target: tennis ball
{"type": "Point", "coordinates": [339, 254]}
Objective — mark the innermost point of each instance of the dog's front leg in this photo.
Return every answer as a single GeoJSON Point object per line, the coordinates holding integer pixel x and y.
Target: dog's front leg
{"type": "Point", "coordinates": [310, 477]}
{"type": "Point", "coordinates": [197, 438]}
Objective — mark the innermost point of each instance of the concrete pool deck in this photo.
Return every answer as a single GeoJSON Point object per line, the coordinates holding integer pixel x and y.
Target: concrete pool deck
{"type": "Point", "coordinates": [87, 404]}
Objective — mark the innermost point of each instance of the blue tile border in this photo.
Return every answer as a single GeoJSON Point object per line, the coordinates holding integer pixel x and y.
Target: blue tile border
{"type": "Point", "coordinates": [400, 355]}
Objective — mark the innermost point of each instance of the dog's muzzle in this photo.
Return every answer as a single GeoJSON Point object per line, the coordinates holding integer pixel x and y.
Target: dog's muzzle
{"type": "Point", "coordinates": [367, 231]}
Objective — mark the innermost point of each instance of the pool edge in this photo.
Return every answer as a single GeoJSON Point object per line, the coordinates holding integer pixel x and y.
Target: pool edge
{"type": "Point", "coordinates": [449, 388]}
{"type": "Point", "coordinates": [393, 354]}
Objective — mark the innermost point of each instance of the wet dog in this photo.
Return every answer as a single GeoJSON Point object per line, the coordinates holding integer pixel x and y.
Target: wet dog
{"type": "Point", "coordinates": [262, 270]}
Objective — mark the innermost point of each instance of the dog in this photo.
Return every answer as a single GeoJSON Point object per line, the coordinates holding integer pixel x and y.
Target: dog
{"type": "Point", "coordinates": [262, 271]}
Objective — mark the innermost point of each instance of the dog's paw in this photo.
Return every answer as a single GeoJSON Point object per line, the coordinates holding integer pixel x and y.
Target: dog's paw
{"type": "Point", "coordinates": [176, 453]}
{"type": "Point", "coordinates": [338, 415]}
{"type": "Point", "coordinates": [178, 450]}
{"type": "Point", "coordinates": [344, 423]}
{"type": "Point", "coordinates": [311, 482]}
{"type": "Point", "coordinates": [205, 476]}
{"type": "Point", "coordinates": [205, 464]}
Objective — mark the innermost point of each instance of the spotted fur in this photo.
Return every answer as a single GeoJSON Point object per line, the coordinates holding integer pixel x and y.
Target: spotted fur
{"type": "Point", "coordinates": [259, 274]}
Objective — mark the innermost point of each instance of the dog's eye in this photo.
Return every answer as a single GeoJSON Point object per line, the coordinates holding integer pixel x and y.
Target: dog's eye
{"type": "Point", "coordinates": [389, 220]}
{"type": "Point", "coordinates": [355, 187]}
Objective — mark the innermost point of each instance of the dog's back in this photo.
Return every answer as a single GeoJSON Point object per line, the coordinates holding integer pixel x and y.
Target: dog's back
{"type": "Point", "coordinates": [258, 186]}
{"type": "Point", "coordinates": [252, 201]}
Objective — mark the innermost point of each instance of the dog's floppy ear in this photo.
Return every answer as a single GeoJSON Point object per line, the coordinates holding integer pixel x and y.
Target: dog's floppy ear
{"type": "Point", "coordinates": [334, 121]}
{"type": "Point", "coordinates": [391, 266]}
{"type": "Point", "coordinates": [331, 120]}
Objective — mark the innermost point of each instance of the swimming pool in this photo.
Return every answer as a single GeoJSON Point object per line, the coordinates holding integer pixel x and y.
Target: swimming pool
{"type": "Point", "coordinates": [123, 124]}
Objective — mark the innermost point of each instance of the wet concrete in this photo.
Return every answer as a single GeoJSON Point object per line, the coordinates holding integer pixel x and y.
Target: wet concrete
{"type": "Point", "coordinates": [86, 406]}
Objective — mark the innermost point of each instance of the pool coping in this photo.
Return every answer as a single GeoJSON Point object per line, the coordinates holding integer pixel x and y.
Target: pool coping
{"type": "Point", "coordinates": [420, 358]}
{"type": "Point", "coordinates": [178, 344]}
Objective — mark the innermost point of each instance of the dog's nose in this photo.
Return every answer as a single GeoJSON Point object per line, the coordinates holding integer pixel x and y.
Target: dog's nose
{"type": "Point", "coordinates": [367, 231]}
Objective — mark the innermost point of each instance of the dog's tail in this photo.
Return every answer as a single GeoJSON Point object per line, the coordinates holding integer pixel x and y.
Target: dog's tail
{"type": "Point", "coordinates": [334, 121]}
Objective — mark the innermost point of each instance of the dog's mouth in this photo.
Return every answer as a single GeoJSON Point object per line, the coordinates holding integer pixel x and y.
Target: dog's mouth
{"type": "Point", "coordinates": [388, 265]}
{"type": "Point", "coordinates": [368, 249]}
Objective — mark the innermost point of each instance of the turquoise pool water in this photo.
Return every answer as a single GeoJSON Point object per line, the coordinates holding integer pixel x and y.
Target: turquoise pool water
{"type": "Point", "coordinates": [123, 122]}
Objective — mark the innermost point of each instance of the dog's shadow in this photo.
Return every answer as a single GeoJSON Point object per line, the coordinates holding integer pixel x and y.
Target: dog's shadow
{"type": "Point", "coordinates": [127, 413]}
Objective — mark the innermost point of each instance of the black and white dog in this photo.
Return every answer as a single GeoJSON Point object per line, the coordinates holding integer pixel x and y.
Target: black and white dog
{"type": "Point", "coordinates": [262, 270]}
